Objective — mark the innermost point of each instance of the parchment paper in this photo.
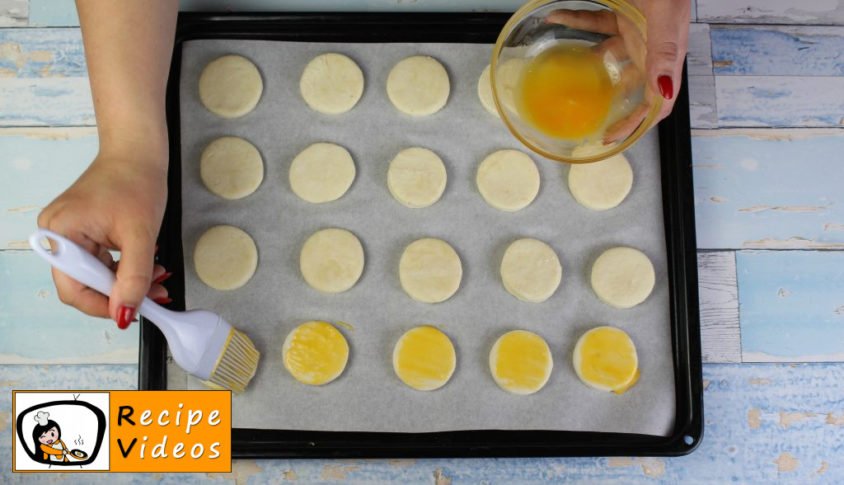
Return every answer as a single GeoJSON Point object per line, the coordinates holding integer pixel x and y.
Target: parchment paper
{"type": "Point", "coordinates": [368, 396]}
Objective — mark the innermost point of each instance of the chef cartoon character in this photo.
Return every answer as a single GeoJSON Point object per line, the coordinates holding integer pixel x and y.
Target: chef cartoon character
{"type": "Point", "coordinates": [49, 434]}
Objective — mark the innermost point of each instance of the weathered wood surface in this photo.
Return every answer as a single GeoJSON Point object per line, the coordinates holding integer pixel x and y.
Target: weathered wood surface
{"type": "Point", "coordinates": [808, 12]}
{"type": "Point", "coordinates": [720, 333]}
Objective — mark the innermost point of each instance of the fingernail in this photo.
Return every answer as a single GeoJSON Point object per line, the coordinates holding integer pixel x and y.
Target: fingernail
{"type": "Point", "coordinates": [666, 86]}
{"type": "Point", "coordinates": [163, 300]}
{"type": "Point", "coordinates": [125, 315]}
{"type": "Point", "coordinates": [161, 279]}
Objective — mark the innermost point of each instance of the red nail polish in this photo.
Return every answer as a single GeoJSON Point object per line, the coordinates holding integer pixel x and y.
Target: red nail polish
{"type": "Point", "coordinates": [161, 279]}
{"type": "Point", "coordinates": [163, 300]}
{"type": "Point", "coordinates": [666, 86]}
{"type": "Point", "coordinates": [125, 315]}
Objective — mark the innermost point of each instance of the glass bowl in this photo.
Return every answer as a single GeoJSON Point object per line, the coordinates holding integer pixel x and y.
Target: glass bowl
{"type": "Point", "coordinates": [598, 101]}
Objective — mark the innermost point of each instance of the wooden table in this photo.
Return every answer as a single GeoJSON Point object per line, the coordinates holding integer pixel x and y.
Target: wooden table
{"type": "Point", "coordinates": [767, 87]}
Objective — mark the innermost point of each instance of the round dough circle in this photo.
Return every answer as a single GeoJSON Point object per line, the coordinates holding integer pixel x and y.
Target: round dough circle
{"type": "Point", "coordinates": [623, 277]}
{"type": "Point", "coordinates": [605, 359]}
{"type": "Point", "coordinates": [418, 86]}
{"type": "Point", "coordinates": [231, 167]}
{"type": "Point", "coordinates": [332, 260]}
{"type": "Point", "coordinates": [331, 83]}
{"type": "Point", "coordinates": [531, 270]}
{"type": "Point", "coordinates": [323, 172]}
{"type": "Point", "coordinates": [430, 270]}
{"type": "Point", "coordinates": [315, 353]}
{"type": "Point", "coordinates": [508, 180]}
{"type": "Point", "coordinates": [225, 257]}
{"type": "Point", "coordinates": [424, 358]}
{"type": "Point", "coordinates": [601, 185]}
{"type": "Point", "coordinates": [416, 177]}
{"type": "Point", "coordinates": [230, 86]}
{"type": "Point", "coordinates": [521, 362]}
{"type": "Point", "coordinates": [485, 92]}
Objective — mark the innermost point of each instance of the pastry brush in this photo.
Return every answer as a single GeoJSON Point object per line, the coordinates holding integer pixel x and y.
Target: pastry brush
{"type": "Point", "coordinates": [202, 342]}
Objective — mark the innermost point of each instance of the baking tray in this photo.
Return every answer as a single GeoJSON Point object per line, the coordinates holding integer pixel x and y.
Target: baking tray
{"type": "Point", "coordinates": [452, 28]}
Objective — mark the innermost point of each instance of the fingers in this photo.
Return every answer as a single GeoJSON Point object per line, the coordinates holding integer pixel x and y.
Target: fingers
{"type": "Point", "coordinates": [622, 128]}
{"type": "Point", "coordinates": [600, 21]}
{"type": "Point", "coordinates": [77, 295]}
{"type": "Point", "coordinates": [668, 36]}
{"type": "Point", "coordinates": [133, 276]}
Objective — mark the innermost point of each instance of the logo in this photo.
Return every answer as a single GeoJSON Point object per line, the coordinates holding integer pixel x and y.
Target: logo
{"type": "Point", "coordinates": [121, 431]}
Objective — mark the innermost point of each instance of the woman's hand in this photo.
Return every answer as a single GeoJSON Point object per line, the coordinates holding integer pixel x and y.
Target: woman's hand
{"type": "Point", "coordinates": [117, 204]}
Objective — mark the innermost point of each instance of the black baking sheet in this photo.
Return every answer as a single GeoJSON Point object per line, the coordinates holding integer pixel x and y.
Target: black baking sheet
{"type": "Point", "coordinates": [452, 28]}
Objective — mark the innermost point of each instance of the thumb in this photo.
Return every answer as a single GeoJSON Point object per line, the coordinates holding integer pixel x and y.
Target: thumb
{"type": "Point", "coordinates": [668, 37]}
{"type": "Point", "coordinates": [134, 276]}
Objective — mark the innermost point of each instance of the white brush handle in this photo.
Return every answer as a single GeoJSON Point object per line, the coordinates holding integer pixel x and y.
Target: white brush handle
{"type": "Point", "coordinates": [195, 338]}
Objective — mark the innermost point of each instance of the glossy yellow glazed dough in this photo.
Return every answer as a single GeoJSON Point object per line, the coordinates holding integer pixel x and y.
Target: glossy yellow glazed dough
{"type": "Point", "coordinates": [605, 358]}
{"type": "Point", "coordinates": [521, 362]}
{"type": "Point", "coordinates": [424, 358]}
{"type": "Point", "coordinates": [315, 353]}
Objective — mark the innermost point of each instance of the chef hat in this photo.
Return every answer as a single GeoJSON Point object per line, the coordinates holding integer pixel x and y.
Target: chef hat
{"type": "Point", "coordinates": [42, 417]}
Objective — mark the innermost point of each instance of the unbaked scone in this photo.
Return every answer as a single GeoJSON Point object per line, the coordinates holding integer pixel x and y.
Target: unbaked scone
{"type": "Point", "coordinates": [230, 86]}
{"type": "Point", "coordinates": [623, 277]}
{"type": "Point", "coordinates": [430, 270]}
{"type": "Point", "coordinates": [507, 76]}
{"type": "Point", "coordinates": [485, 92]}
{"type": "Point", "coordinates": [332, 260]}
{"type": "Point", "coordinates": [531, 270]}
{"type": "Point", "coordinates": [416, 177]}
{"type": "Point", "coordinates": [331, 83]}
{"type": "Point", "coordinates": [424, 358]}
{"type": "Point", "coordinates": [231, 167]}
{"type": "Point", "coordinates": [225, 257]}
{"type": "Point", "coordinates": [601, 185]}
{"type": "Point", "coordinates": [508, 180]}
{"type": "Point", "coordinates": [323, 172]}
{"type": "Point", "coordinates": [605, 358]}
{"type": "Point", "coordinates": [418, 86]}
{"type": "Point", "coordinates": [315, 353]}
{"type": "Point", "coordinates": [520, 362]}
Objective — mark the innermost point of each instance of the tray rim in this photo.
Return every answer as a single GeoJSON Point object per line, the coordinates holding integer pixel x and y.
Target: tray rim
{"type": "Point", "coordinates": [678, 211]}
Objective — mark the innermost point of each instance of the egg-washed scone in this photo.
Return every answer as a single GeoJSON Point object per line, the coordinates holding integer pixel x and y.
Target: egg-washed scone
{"type": "Point", "coordinates": [418, 86]}
{"type": "Point", "coordinates": [531, 270]}
{"type": "Point", "coordinates": [230, 86]}
{"type": "Point", "coordinates": [605, 358]}
{"type": "Point", "coordinates": [332, 260]}
{"type": "Point", "coordinates": [231, 167]}
{"type": "Point", "coordinates": [225, 257]}
{"type": "Point", "coordinates": [520, 362]}
{"type": "Point", "coordinates": [321, 173]}
{"type": "Point", "coordinates": [315, 353]}
{"type": "Point", "coordinates": [623, 277]}
{"type": "Point", "coordinates": [331, 83]}
{"type": "Point", "coordinates": [508, 180]}
{"type": "Point", "coordinates": [416, 177]}
{"type": "Point", "coordinates": [430, 270]}
{"type": "Point", "coordinates": [601, 185]}
{"type": "Point", "coordinates": [424, 358]}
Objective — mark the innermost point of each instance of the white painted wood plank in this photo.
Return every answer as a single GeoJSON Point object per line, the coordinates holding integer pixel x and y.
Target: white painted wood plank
{"type": "Point", "coordinates": [777, 50]}
{"type": "Point", "coordinates": [780, 101]}
{"type": "Point", "coordinates": [703, 110]}
{"type": "Point", "coordinates": [38, 53]}
{"type": "Point", "coordinates": [813, 12]}
{"type": "Point", "coordinates": [699, 59]}
{"type": "Point", "coordinates": [46, 102]}
{"type": "Point", "coordinates": [720, 333]}
{"type": "Point", "coordinates": [769, 188]}
{"type": "Point", "coordinates": [13, 13]}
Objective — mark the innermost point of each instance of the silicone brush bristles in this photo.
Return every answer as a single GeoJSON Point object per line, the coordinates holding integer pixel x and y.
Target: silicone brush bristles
{"type": "Point", "coordinates": [237, 364]}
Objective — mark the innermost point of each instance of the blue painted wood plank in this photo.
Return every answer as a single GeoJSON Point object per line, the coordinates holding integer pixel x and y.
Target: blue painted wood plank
{"type": "Point", "coordinates": [37, 165]}
{"type": "Point", "coordinates": [46, 102]}
{"type": "Point", "coordinates": [35, 53]}
{"type": "Point", "coordinates": [50, 13]}
{"type": "Point", "coordinates": [38, 328]}
{"type": "Point", "coordinates": [779, 101]}
{"type": "Point", "coordinates": [764, 424]}
{"type": "Point", "coordinates": [791, 305]}
{"type": "Point", "coordinates": [810, 12]}
{"type": "Point", "coordinates": [778, 50]}
{"type": "Point", "coordinates": [769, 189]}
